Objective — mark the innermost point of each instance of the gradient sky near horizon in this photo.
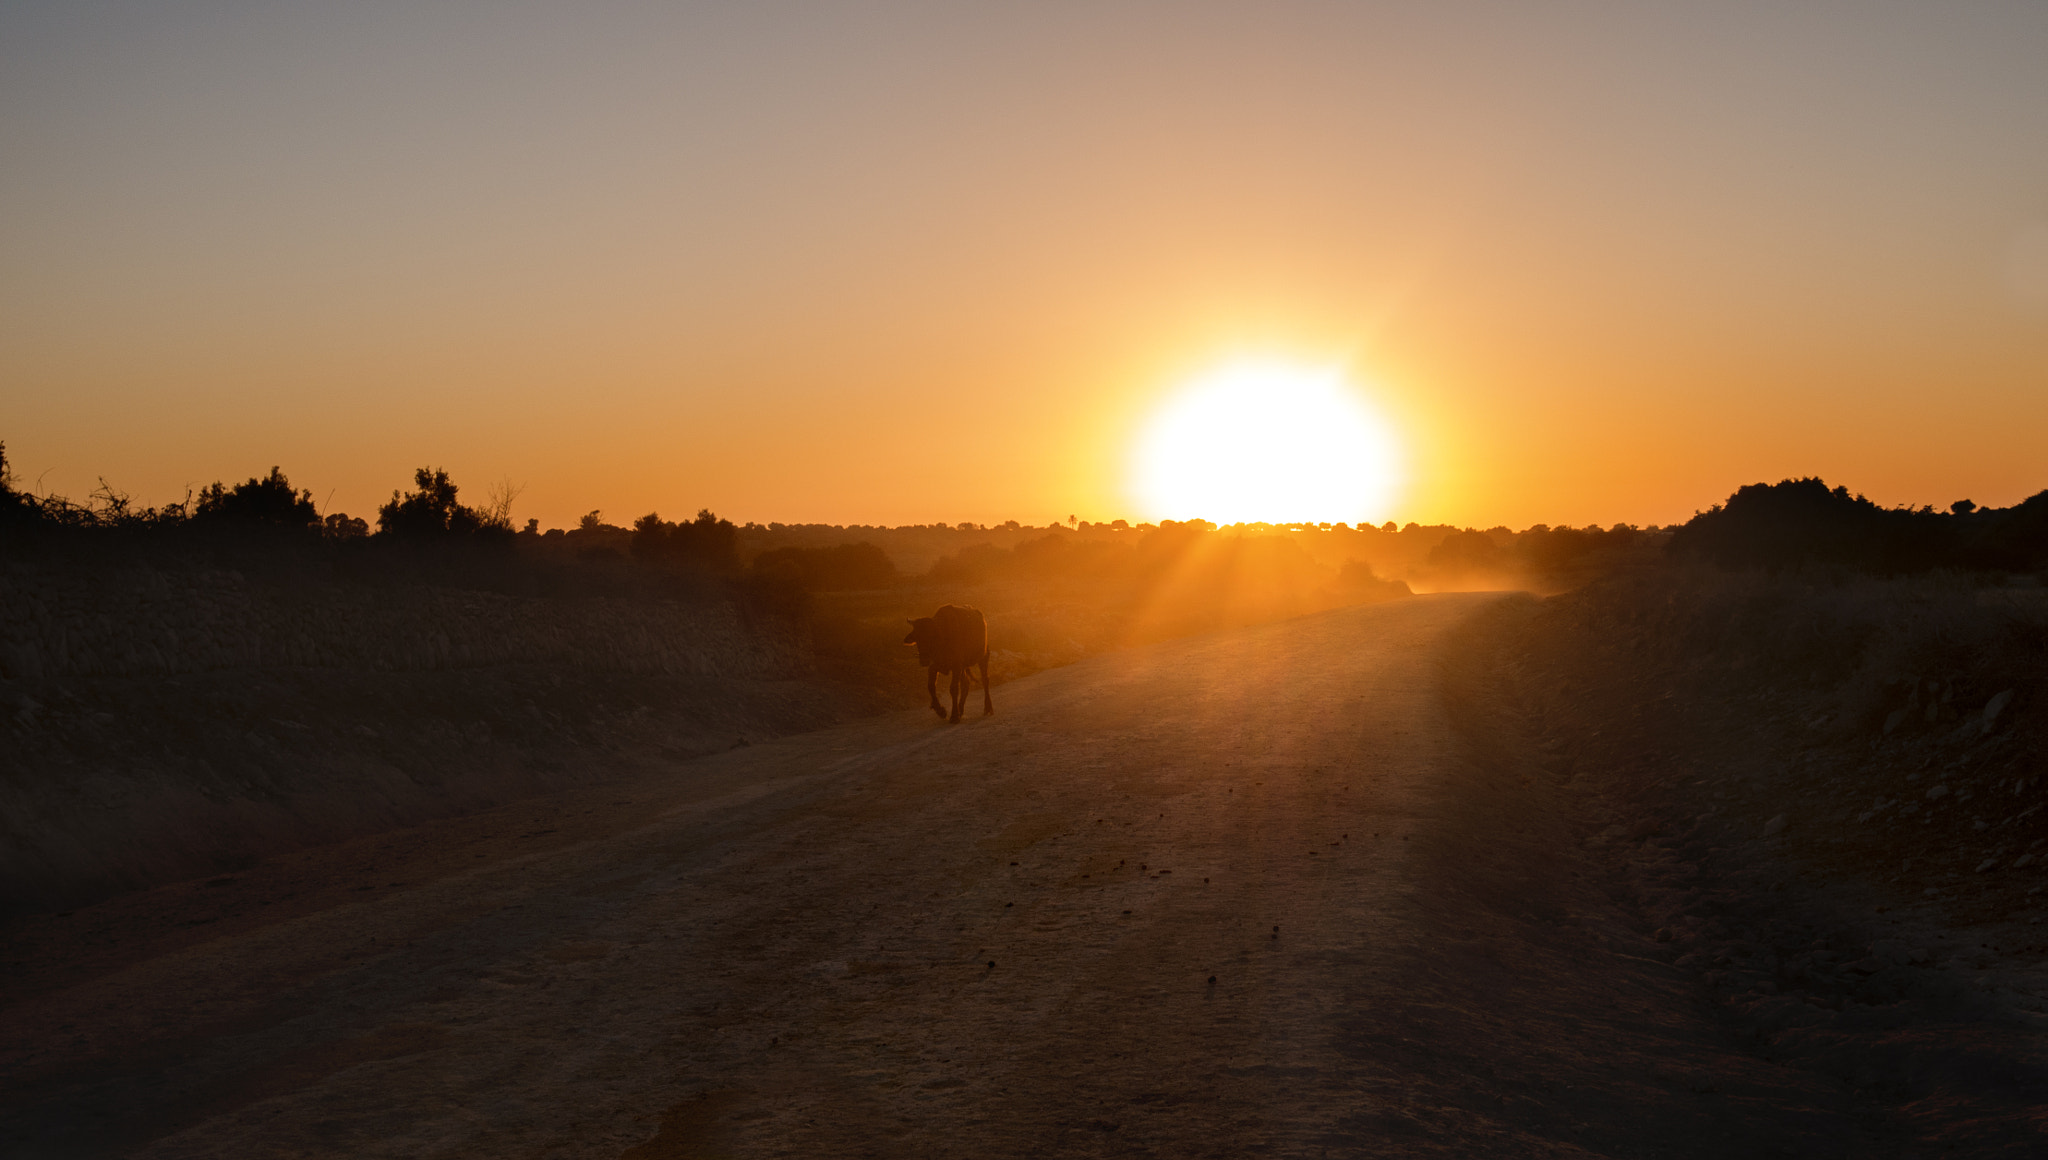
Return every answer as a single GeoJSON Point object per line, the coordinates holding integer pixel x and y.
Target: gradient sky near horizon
{"type": "Point", "coordinates": [897, 262]}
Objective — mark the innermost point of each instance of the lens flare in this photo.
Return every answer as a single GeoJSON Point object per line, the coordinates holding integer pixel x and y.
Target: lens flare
{"type": "Point", "coordinates": [1267, 442]}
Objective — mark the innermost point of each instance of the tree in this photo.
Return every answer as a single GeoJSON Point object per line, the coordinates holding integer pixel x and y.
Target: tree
{"type": "Point", "coordinates": [708, 542]}
{"type": "Point", "coordinates": [429, 512]}
{"type": "Point", "coordinates": [650, 536]}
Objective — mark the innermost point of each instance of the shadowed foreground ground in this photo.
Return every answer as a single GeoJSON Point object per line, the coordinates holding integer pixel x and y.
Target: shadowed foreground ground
{"type": "Point", "coordinates": [1290, 890]}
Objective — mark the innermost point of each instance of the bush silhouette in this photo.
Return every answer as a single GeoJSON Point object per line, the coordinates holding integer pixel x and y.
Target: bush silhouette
{"type": "Point", "coordinates": [1801, 521]}
{"type": "Point", "coordinates": [431, 511]}
{"type": "Point", "coordinates": [1358, 577]}
{"type": "Point", "coordinates": [261, 501]}
{"type": "Point", "coordinates": [2013, 539]}
{"type": "Point", "coordinates": [15, 507]}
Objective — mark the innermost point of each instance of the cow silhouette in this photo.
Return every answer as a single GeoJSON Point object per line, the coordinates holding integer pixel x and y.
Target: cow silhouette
{"type": "Point", "coordinates": [953, 640]}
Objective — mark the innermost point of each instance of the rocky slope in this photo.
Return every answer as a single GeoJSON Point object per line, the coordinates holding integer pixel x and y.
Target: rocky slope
{"type": "Point", "coordinates": [1823, 802]}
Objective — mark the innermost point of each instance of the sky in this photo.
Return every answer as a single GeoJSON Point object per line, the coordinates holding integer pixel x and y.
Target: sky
{"type": "Point", "coordinates": [909, 263]}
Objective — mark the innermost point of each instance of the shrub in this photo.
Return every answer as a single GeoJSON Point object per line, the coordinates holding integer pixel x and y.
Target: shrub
{"type": "Point", "coordinates": [1799, 522]}
{"type": "Point", "coordinates": [267, 501]}
{"type": "Point", "coordinates": [2013, 539]}
{"type": "Point", "coordinates": [1357, 578]}
{"type": "Point", "coordinates": [15, 507]}
{"type": "Point", "coordinates": [431, 511]}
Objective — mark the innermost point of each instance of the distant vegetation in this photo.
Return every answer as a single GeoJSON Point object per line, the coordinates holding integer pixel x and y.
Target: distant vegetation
{"type": "Point", "coordinates": [429, 532]}
{"type": "Point", "coordinates": [706, 543]}
{"type": "Point", "coordinates": [1802, 522]}
{"type": "Point", "coordinates": [840, 568]}
{"type": "Point", "coordinates": [1541, 557]}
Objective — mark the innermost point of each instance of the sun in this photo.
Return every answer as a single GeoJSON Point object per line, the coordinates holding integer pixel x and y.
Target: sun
{"type": "Point", "coordinates": [1266, 442]}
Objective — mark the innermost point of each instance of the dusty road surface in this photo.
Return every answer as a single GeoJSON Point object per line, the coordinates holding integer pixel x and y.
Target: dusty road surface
{"type": "Point", "coordinates": [1291, 890]}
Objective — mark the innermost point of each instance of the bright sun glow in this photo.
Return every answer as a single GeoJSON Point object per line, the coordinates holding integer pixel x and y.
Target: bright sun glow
{"type": "Point", "coordinates": [1267, 442]}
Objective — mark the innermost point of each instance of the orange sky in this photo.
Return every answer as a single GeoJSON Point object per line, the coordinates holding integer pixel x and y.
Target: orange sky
{"type": "Point", "coordinates": [898, 263]}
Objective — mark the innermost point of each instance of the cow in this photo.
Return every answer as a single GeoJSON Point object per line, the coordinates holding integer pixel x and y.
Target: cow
{"type": "Point", "coordinates": [953, 640]}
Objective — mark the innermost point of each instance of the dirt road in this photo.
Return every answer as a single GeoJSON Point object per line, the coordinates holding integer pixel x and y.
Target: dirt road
{"type": "Point", "coordinates": [1292, 890]}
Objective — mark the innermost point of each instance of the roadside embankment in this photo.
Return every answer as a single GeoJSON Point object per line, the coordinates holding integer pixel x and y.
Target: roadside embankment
{"type": "Point", "coordinates": [166, 720]}
{"type": "Point", "coordinates": [1823, 798]}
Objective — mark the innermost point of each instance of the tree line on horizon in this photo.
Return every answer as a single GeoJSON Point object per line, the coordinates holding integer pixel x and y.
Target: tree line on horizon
{"type": "Point", "coordinates": [1795, 523]}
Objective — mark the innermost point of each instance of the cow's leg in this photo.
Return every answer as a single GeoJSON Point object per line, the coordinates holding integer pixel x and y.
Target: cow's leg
{"type": "Point", "coordinates": [931, 689]}
{"type": "Point", "coordinates": [959, 688]}
{"type": "Point", "coordinates": [988, 705]}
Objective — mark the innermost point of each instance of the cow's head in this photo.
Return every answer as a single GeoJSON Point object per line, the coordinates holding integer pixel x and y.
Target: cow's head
{"type": "Point", "coordinates": [923, 635]}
